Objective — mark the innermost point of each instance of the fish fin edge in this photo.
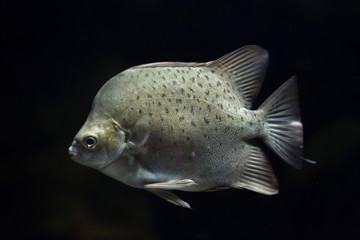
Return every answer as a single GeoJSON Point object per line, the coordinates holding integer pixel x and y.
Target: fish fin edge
{"type": "Point", "coordinates": [170, 197]}
{"type": "Point", "coordinates": [258, 175]}
{"type": "Point", "coordinates": [141, 131]}
{"type": "Point", "coordinates": [246, 68]}
{"type": "Point", "coordinates": [283, 127]}
{"type": "Point", "coordinates": [171, 185]}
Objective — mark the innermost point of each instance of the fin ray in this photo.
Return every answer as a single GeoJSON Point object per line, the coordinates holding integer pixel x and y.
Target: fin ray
{"type": "Point", "coordinates": [258, 175]}
{"type": "Point", "coordinates": [141, 131]}
{"type": "Point", "coordinates": [246, 68]}
{"type": "Point", "coordinates": [283, 123]}
{"type": "Point", "coordinates": [171, 185]}
{"type": "Point", "coordinates": [170, 197]}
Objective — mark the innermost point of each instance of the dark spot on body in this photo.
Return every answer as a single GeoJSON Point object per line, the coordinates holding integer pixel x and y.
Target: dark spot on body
{"type": "Point", "coordinates": [174, 83]}
{"type": "Point", "coordinates": [181, 118]}
{"type": "Point", "coordinates": [206, 121]}
{"type": "Point", "coordinates": [200, 85]}
{"type": "Point", "coordinates": [212, 71]}
{"type": "Point", "coordinates": [146, 75]}
{"type": "Point", "coordinates": [137, 98]}
{"type": "Point", "coordinates": [164, 85]}
{"type": "Point", "coordinates": [189, 95]}
{"type": "Point", "coordinates": [191, 90]}
{"type": "Point", "coordinates": [218, 84]}
{"type": "Point", "coordinates": [229, 116]}
{"type": "Point", "coordinates": [140, 111]}
{"type": "Point", "coordinates": [175, 75]}
{"type": "Point", "coordinates": [168, 69]}
{"type": "Point", "coordinates": [150, 114]}
{"type": "Point", "coordinates": [183, 130]}
{"type": "Point", "coordinates": [193, 124]}
{"type": "Point", "coordinates": [207, 92]}
{"type": "Point", "coordinates": [160, 139]}
{"type": "Point", "coordinates": [182, 90]}
{"type": "Point", "coordinates": [242, 119]}
{"type": "Point", "coordinates": [192, 79]}
{"type": "Point", "coordinates": [177, 110]}
{"type": "Point", "coordinates": [207, 77]}
{"type": "Point", "coordinates": [209, 108]}
{"type": "Point", "coordinates": [154, 88]}
{"type": "Point", "coordinates": [159, 104]}
{"type": "Point", "coordinates": [167, 110]}
{"type": "Point", "coordinates": [183, 79]}
{"type": "Point", "coordinates": [187, 138]}
{"type": "Point", "coordinates": [163, 95]}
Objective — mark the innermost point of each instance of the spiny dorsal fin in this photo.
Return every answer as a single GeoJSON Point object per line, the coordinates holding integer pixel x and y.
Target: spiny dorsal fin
{"type": "Point", "coordinates": [258, 175]}
{"type": "Point", "coordinates": [246, 67]}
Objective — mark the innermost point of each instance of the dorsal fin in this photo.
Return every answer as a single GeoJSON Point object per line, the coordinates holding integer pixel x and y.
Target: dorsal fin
{"type": "Point", "coordinates": [246, 67]}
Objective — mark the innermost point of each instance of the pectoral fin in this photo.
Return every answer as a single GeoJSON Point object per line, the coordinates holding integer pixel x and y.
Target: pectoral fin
{"type": "Point", "coordinates": [141, 131]}
{"type": "Point", "coordinates": [170, 197]}
{"type": "Point", "coordinates": [171, 185]}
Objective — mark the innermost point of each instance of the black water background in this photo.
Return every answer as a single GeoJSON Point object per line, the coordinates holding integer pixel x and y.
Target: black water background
{"type": "Point", "coordinates": [56, 55]}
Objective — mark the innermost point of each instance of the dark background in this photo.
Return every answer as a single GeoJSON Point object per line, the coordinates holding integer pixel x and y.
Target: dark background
{"type": "Point", "coordinates": [55, 56]}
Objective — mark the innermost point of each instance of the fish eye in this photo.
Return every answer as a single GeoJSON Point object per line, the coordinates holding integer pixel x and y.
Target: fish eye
{"type": "Point", "coordinates": [90, 142]}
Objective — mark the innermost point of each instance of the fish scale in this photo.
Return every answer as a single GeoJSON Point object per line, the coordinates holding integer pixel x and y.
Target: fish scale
{"type": "Point", "coordinates": [189, 126]}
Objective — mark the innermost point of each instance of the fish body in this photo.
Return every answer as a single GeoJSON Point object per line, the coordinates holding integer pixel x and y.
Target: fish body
{"type": "Point", "coordinates": [189, 126]}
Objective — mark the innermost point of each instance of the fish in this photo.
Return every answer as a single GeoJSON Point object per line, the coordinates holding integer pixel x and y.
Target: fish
{"type": "Point", "coordinates": [190, 126]}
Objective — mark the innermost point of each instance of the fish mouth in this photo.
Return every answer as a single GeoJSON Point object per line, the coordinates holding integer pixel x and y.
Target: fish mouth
{"type": "Point", "coordinates": [72, 152]}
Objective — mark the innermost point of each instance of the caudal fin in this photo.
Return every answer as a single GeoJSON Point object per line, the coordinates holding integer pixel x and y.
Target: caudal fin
{"type": "Point", "coordinates": [283, 128]}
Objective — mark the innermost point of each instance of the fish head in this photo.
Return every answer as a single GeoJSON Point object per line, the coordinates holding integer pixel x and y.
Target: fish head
{"type": "Point", "coordinates": [98, 143]}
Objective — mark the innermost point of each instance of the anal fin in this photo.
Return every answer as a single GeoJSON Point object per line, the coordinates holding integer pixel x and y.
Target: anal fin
{"type": "Point", "coordinates": [170, 197]}
{"type": "Point", "coordinates": [258, 175]}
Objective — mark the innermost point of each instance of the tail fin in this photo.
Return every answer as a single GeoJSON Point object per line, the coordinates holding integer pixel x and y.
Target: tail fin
{"type": "Point", "coordinates": [283, 128]}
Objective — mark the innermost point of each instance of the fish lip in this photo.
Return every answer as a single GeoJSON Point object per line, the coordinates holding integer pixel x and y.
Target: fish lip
{"type": "Point", "coordinates": [72, 152]}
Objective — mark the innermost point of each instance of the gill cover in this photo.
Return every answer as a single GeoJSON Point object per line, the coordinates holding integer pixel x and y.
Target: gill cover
{"type": "Point", "coordinates": [115, 141]}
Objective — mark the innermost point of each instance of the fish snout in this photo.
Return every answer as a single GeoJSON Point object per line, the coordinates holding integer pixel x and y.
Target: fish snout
{"type": "Point", "coordinates": [72, 150]}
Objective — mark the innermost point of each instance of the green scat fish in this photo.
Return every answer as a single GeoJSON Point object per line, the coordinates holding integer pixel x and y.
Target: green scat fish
{"type": "Point", "coordinates": [189, 126]}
